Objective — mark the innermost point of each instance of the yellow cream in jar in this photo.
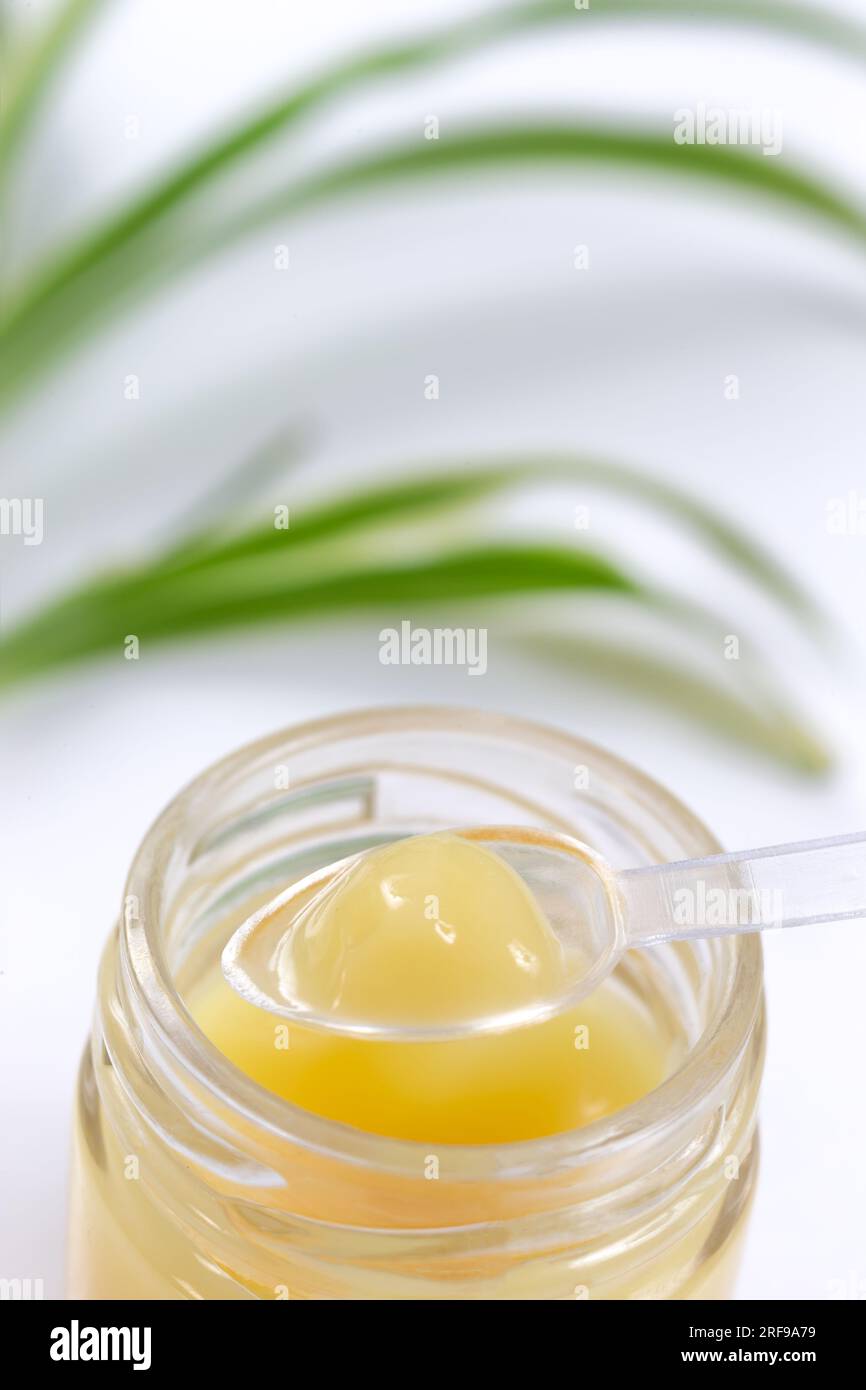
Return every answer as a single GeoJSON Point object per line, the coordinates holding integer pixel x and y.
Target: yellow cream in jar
{"type": "Point", "coordinates": [434, 931]}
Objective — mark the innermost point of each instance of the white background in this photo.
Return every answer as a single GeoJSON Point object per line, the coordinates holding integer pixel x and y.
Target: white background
{"type": "Point", "coordinates": [629, 360]}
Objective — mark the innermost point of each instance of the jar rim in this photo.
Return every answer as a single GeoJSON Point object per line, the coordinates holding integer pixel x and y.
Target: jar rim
{"type": "Point", "coordinates": [690, 1088]}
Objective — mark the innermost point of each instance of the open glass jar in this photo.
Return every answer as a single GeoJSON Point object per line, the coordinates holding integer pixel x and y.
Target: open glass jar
{"type": "Point", "coordinates": [192, 1181]}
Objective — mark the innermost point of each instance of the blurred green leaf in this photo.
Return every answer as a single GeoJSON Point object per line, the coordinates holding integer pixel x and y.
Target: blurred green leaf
{"type": "Point", "coordinates": [212, 580]}
{"type": "Point", "coordinates": [26, 81]}
{"type": "Point", "coordinates": [763, 723]}
{"type": "Point", "coordinates": [841, 35]}
{"type": "Point", "coordinates": [34, 333]}
{"type": "Point", "coordinates": [153, 605]}
{"type": "Point", "coordinates": [455, 483]}
{"type": "Point", "coordinates": [93, 277]}
{"type": "Point", "coordinates": [322, 566]}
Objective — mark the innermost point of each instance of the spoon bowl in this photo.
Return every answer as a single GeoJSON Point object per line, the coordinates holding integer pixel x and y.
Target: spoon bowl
{"type": "Point", "coordinates": [573, 886]}
{"type": "Point", "coordinates": [594, 913]}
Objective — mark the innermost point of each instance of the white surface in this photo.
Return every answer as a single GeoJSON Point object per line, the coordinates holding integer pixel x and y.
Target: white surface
{"type": "Point", "coordinates": [629, 360]}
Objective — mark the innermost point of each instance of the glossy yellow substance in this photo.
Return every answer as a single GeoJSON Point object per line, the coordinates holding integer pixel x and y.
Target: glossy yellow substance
{"type": "Point", "coordinates": [432, 931]}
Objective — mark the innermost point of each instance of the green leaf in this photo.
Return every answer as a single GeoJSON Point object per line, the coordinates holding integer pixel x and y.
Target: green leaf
{"type": "Point", "coordinates": [155, 605]}
{"type": "Point", "coordinates": [25, 86]}
{"type": "Point", "coordinates": [456, 483]}
{"type": "Point", "coordinates": [349, 529]}
{"type": "Point", "coordinates": [212, 582]}
{"type": "Point", "coordinates": [758, 719]}
{"type": "Point", "coordinates": [95, 276]}
{"type": "Point", "coordinates": [846, 38]}
{"type": "Point", "coordinates": [158, 605]}
{"type": "Point", "coordinates": [35, 336]}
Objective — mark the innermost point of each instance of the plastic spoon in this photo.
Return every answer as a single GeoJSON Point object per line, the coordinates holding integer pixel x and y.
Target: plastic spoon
{"type": "Point", "coordinates": [598, 913]}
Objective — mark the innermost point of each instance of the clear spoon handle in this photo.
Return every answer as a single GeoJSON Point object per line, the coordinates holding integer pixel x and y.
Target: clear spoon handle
{"type": "Point", "coordinates": [782, 886]}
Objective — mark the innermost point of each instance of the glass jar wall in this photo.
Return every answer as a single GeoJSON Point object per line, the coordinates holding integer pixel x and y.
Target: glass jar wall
{"type": "Point", "coordinates": [191, 1181]}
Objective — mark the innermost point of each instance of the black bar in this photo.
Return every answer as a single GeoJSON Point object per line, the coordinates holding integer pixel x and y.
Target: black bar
{"type": "Point", "coordinates": [236, 1338]}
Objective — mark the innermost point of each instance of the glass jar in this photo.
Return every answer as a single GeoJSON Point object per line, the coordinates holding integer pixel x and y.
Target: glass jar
{"type": "Point", "coordinates": [191, 1181]}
